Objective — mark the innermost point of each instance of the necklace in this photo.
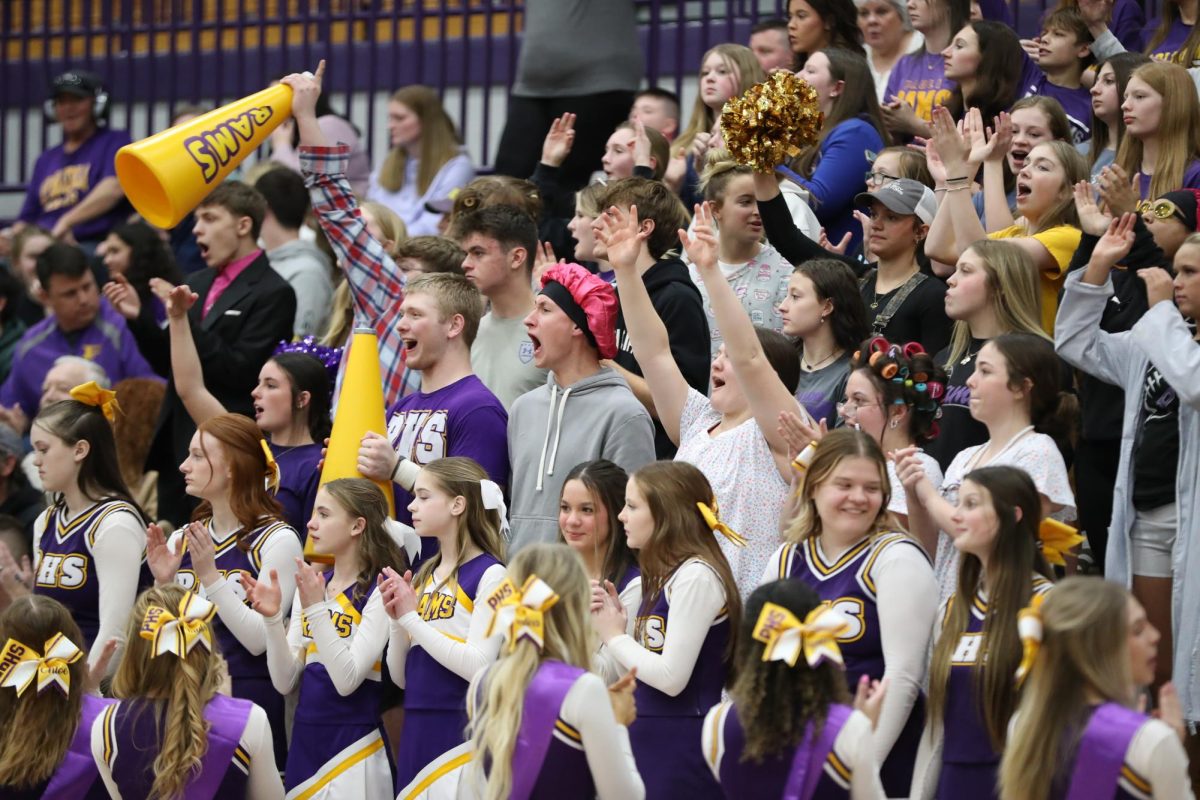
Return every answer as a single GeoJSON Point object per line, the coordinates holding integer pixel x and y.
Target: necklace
{"type": "Point", "coordinates": [964, 360]}
{"type": "Point", "coordinates": [813, 367]}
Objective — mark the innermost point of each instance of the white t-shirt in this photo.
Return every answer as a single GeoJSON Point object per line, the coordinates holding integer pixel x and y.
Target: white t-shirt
{"type": "Point", "coordinates": [502, 357]}
{"type": "Point", "coordinates": [1033, 452]}
{"type": "Point", "coordinates": [746, 481]}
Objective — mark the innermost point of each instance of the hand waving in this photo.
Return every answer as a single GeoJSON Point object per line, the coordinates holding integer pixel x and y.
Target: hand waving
{"type": "Point", "coordinates": [701, 247]}
{"type": "Point", "coordinates": [622, 236]}
{"type": "Point", "coordinates": [559, 140]}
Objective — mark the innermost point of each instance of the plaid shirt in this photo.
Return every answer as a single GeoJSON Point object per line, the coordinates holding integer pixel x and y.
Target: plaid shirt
{"type": "Point", "coordinates": [376, 283]}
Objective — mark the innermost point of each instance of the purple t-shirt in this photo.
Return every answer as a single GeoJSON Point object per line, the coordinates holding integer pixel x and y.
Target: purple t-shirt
{"type": "Point", "coordinates": [107, 341]}
{"type": "Point", "coordinates": [1168, 49]}
{"type": "Point", "coordinates": [920, 80]}
{"type": "Point", "coordinates": [1191, 180]}
{"type": "Point", "coordinates": [1077, 103]}
{"type": "Point", "coordinates": [462, 419]}
{"type": "Point", "coordinates": [61, 180]}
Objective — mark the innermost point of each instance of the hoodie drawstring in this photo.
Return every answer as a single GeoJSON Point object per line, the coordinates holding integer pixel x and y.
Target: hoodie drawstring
{"type": "Point", "coordinates": [554, 422]}
{"type": "Point", "coordinates": [558, 431]}
{"type": "Point", "coordinates": [546, 439]}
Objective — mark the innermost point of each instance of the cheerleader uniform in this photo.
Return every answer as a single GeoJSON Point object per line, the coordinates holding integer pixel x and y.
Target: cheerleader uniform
{"type": "Point", "coordinates": [76, 777]}
{"type": "Point", "coordinates": [298, 479]}
{"type": "Point", "coordinates": [333, 650]}
{"type": "Point", "coordinates": [569, 744]}
{"type": "Point", "coordinates": [969, 764]}
{"type": "Point", "coordinates": [437, 649]}
{"type": "Point", "coordinates": [629, 591]}
{"type": "Point", "coordinates": [887, 575]}
{"type": "Point", "coordinates": [1125, 755]}
{"type": "Point", "coordinates": [238, 762]}
{"type": "Point", "coordinates": [93, 564]}
{"type": "Point", "coordinates": [242, 631]}
{"type": "Point", "coordinates": [681, 667]}
{"type": "Point", "coordinates": [837, 764]}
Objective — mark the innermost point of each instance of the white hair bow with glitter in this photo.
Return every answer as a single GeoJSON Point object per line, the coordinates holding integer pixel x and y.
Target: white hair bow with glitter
{"type": "Point", "coordinates": [521, 612]}
{"type": "Point", "coordinates": [493, 500]}
{"type": "Point", "coordinates": [20, 664]}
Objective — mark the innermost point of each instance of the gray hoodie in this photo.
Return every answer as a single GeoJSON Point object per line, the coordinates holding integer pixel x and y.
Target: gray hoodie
{"type": "Point", "coordinates": [310, 274]}
{"type": "Point", "coordinates": [545, 442]}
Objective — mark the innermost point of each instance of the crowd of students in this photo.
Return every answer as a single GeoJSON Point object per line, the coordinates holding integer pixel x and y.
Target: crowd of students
{"type": "Point", "coordinates": [697, 480]}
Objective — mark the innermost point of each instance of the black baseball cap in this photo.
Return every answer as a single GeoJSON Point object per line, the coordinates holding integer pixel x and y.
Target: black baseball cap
{"type": "Point", "coordinates": [78, 83]}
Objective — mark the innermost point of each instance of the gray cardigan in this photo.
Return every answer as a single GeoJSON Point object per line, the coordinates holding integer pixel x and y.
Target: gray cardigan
{"type": "Point", "coordinates": [1163, 338]}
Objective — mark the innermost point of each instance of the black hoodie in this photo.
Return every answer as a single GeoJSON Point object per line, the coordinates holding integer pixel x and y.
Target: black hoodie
{"type": "Point", "coordinates": [680, 307]}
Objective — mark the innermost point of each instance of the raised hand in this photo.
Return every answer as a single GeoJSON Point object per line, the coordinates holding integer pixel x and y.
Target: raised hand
{"type": "Point", "coordinates": [179, 299]}
{"type": "Point", "coordinates": [1119, 193]}
{"type": "Point", "coordinates": [399, 595]}
{"type": "Point", "coordinates": [122, 297]}
{"type": "Point", "coordinates": [840, 247]}
{"type": "Point", "coordinates": [99, 671]}
{"type": "Point", "coordinates": [798, 433]}
{"type": "Point", "coordinates": [951, 145]}
{"type": "Point", "coordinates": [310, 583]}
{"type": "Point", "coordinates": [1170, 711]}
{"type": "Point", "coordinates": [701, 247]}
{"type": "Point", "coordinates": [622, 236]}
{"type": "Point", "coordinates": [937, 169]}
{"type": "Point", "coordinates": [306, 88]}
{"type": "Point", "coordinates": [265, 596]}
{"type": "Point", "coordinates": [1116, 242]}
{"type": "Point", "coordinates": [559, 140]}
{"type": "Point", "coordinates": [163, 563]}
{"type": "Point", "coordinates": [620, 695]}
{"type": "Point", "coordinates": [999, 138]}
{"type": "Point", "coordinates": [909, 469]}
{"type": "Point", "coordinates": [376, 457]}
{"type": "Point", "coordinates": [1160, 287]}
{"type": "Point", "coordinates": [543, 258]}
{"type": "Point", "coordinates": [1091, 219]}
{"type": "Point", "coordinates": [15, 418]}
{"type": "Point", "coordinates": [641, 145]}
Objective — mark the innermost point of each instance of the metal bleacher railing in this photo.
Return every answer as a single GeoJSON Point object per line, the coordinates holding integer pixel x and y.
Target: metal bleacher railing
{"type": "Point", "coordinates": [158, 54]}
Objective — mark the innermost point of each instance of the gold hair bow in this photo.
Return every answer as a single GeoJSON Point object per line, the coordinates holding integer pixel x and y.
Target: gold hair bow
{"type": "Point", "coordinates": [786, 637]}
{"type": "Point", "coordinates": [1057, 540]}
{"type": "Point", "coordinates": [20, 664]}
{"type": "Point", "coordinates": [1029, 629]}
{"type": "Point", "coordinates": [713, 521]}
{"type": "Point", "coordinates": [92, 394]}
{"type": "Point", "coordinates": [521, 612]}
{"type": "Point", "coordinates": [179, 633]}
{"type": "Point", "coordinates": [272, 467]}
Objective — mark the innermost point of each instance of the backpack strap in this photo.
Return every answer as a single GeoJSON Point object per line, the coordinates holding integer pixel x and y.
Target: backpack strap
{"type": "Point", "coordinates": [893, 305]}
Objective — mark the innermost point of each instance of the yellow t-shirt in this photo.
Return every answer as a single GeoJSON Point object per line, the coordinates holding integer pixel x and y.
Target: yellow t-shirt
{"type": "Point", "coordinates": [1061, 242]}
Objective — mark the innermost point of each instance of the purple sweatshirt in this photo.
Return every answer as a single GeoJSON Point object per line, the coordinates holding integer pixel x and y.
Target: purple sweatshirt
{"type": "Point", "coordinates": [919, 79]}
{"type": "Point", "coordinates": [61, 180]}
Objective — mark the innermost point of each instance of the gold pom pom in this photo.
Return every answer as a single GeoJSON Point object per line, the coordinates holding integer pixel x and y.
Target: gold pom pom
{"type": "Point", "coordinates": [772, 122]}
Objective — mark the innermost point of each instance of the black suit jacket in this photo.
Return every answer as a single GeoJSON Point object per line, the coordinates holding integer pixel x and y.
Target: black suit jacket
{"type": "Point", "coordinates": [234, 340]}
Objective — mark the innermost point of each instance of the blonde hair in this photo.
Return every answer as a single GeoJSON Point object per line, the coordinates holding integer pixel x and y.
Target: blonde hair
{"type": "Point", "coordinates": [834, 448]}
{"type": "Point", "coordinates": [719, 170]}
{"type": "Point", "coordinates": [439, 140]}
{"type": "Point", "coordinates": [36, 728]}
{"type": "Point", "coordinates": [341, 316]}
{"type": "Point", "coordinates": [703, 118]}
{"type": "Point", "coordinates": [459, 476]}
{"type": "Point", "coordinates": [496, 721]}
{"type": "Point", "coordinates": [1085, 624]}
{"type": "Point", "coordinates": [1075, 169]}
{"type": "Point", "coordinates": [588, 199]}
{"type": "Point", "coordinates": [389, 222]}
{"type": "Point", "coordinates": [1013, 293]}
{"type": "Point", "coordinates": [453, 294]}
{"type": "Point", "coordinates": [1177, 126]}
{"type": "Point", "coordinates": [182, 686]}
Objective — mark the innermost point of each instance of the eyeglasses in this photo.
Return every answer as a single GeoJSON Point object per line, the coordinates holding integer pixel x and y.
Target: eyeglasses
{"type": "Point", "coordinates": [845, 407]}
{"type": "Point", "coordinates": [880, 178]}
{"type": "Point", "coordinates": [1162, 209]}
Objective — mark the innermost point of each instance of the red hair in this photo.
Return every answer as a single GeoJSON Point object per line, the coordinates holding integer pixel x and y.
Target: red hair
{"type": "Point", "coordinates": [242, 443]}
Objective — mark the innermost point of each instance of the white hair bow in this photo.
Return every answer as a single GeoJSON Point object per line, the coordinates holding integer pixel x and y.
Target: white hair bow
{"type": "Point", "coordinates": [21, 664]}
{"type": "Point", "coordinates": [493, 500]}
{"type": "Point", "coordinates": [405, 536]}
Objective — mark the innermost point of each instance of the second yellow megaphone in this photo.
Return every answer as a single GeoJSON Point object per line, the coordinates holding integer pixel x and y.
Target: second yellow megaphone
{"type": "Point", "coordinates": [360, 409]}
{"type": "Point", "coordinates": [167, 175]}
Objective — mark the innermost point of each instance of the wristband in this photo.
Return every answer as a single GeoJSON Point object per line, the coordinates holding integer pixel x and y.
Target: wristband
{"type": "Point", "coordinates": [805, 458]}
{"type": "Point", "coordinates": [405, 473]}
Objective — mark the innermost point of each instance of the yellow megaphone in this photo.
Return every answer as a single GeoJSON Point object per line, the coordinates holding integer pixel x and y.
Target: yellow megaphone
{"type": "Point", "coordinates": [359, 409]}
{"type": "Point", "coordinates": [166, 175]}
